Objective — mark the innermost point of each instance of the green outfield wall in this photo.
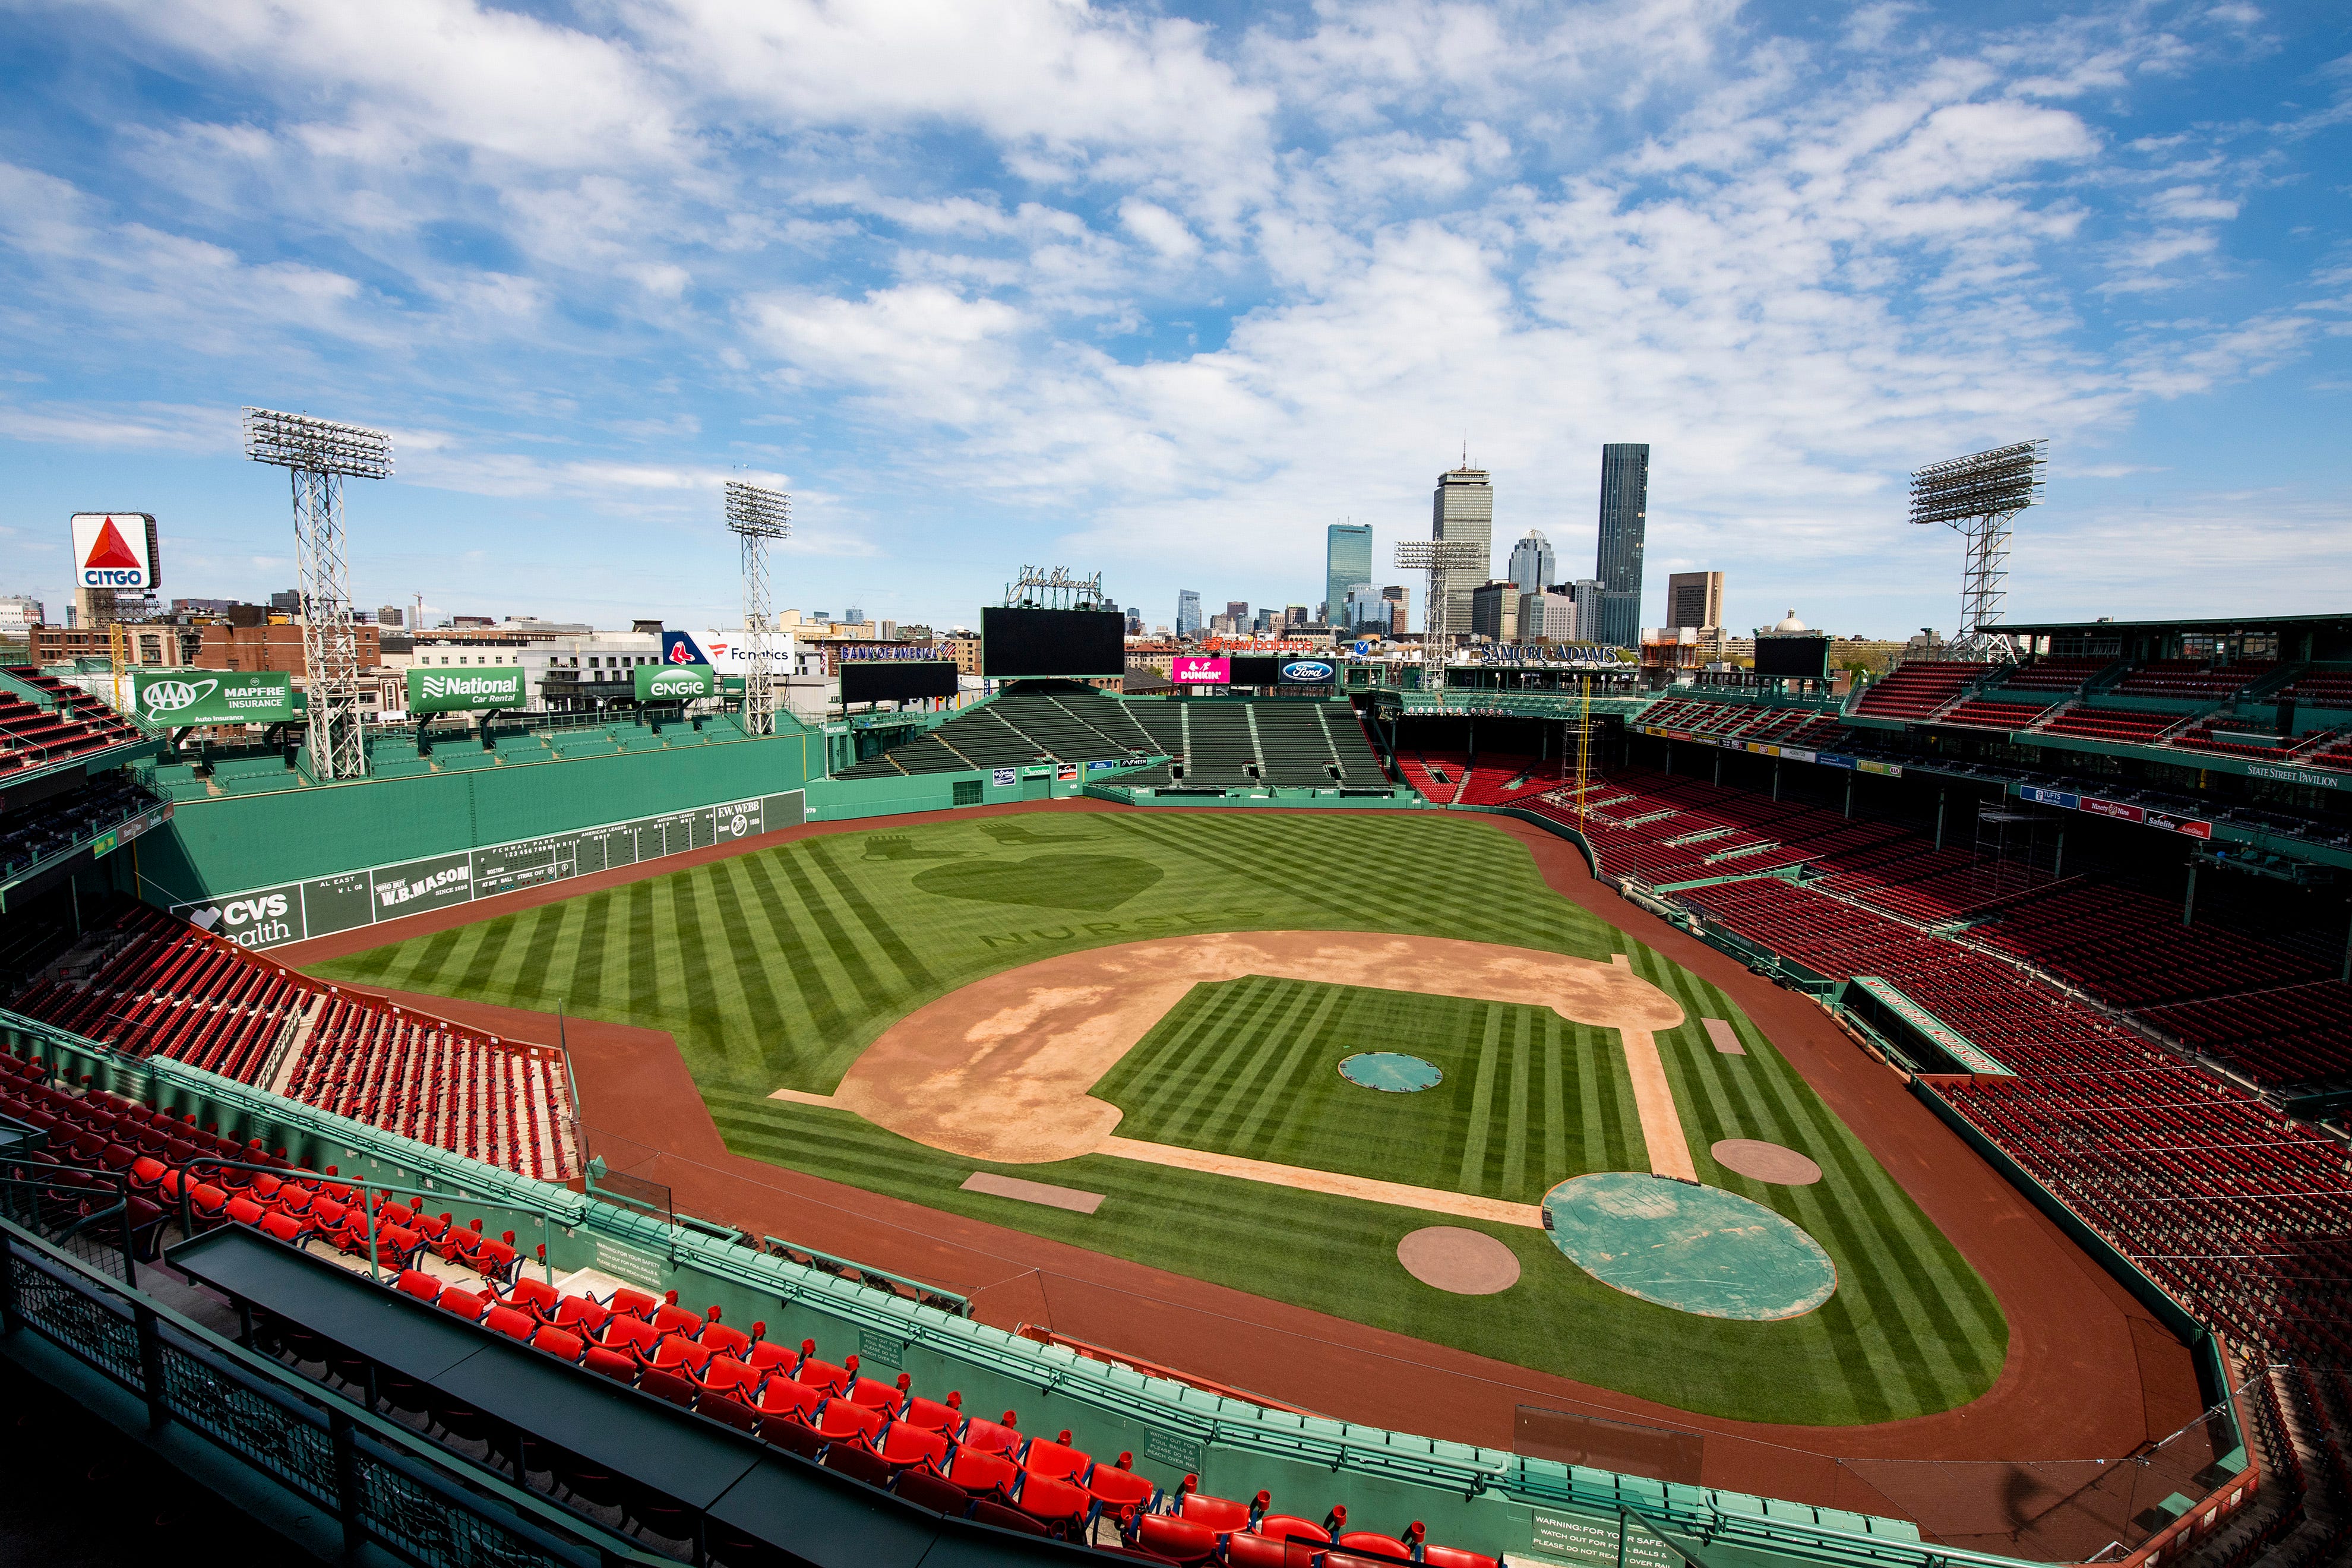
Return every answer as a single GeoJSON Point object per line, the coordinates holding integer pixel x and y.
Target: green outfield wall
{"type": "Point", "coordinates": [339, 854]}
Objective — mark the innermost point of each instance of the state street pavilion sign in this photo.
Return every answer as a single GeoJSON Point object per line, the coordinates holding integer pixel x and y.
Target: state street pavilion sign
{"type": "Point", "coordinates": [675, 682]}
{"type": "Point", "coordinates": [179, 697]}
{"type": "Point", "coordinates": [464, 692]}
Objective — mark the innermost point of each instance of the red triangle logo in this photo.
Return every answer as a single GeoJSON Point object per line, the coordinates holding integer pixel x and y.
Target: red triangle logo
{"type": "Point", "coordinates": [110, 549]}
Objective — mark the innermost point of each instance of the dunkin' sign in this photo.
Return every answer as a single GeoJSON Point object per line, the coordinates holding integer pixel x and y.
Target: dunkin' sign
{"type": "Point", "coordinates": [1192, 671]}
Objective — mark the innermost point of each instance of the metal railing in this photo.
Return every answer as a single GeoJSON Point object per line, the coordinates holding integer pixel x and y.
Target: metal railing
{"type": "Point", "coordinates": [387, 1485]}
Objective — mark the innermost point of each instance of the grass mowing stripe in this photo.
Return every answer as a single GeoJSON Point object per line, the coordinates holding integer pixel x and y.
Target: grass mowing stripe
{"type": "Point", "coordinates": [751, 957]}
{"type": "Point", "coordinates": [885, 936]}
{"type": "Point", "coordinates": [789, 925]}
{"type": "Point", "coordinates": [1471, 1176]}
{"type": "Point", "coordinates": [1515, 1120]}
{"type": "Point", "coordinates": [790, 947]}
{"type": "Point", "coordinates": [822, 919]}
{"type": "Point", "coordinates": [1555, 1123]}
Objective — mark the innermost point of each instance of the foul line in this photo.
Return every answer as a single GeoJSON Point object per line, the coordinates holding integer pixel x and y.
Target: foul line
{"type": "Point", "coordinates": [1653, 1099]}
{"type": "Point", "coordinates": [1396, 1193]}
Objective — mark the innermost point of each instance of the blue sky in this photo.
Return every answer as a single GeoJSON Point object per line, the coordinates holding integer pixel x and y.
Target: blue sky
{"type": "Point", "coordinates": [1162, 294]}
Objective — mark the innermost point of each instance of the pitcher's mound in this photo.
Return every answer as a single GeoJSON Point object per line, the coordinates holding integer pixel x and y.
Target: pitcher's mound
{"type": "Point", "coordinates": [1467, 1262]}
{"type": "Point", "coordinates": [1766, 1161]}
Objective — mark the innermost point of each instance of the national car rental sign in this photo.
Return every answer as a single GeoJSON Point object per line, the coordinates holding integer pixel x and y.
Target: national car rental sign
{"type": "Point", "coordinates": [116, 550]}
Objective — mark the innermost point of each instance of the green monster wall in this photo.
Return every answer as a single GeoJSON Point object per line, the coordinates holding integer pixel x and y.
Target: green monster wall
{"type": "Point", "coordinates": [478, 823]}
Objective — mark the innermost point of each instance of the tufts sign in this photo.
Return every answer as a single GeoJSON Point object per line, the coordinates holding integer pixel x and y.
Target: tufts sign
{"type": "Point", "coordinates": [463, 691]}
{"type": "Point", "coordinates": [177, 698]}
{"type": "Point", "coordinates": [675, 682]}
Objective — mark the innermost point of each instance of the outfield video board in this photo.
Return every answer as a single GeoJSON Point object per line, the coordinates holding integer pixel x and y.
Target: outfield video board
{"type": "Point", "coordinates": [1795, 657]}
{"type": "Point", "coordinates": [1076, 645]}
{"type": "Point", "coordinates": [896, 679]}
{"type": "Point", "coordinates": [296, 911]}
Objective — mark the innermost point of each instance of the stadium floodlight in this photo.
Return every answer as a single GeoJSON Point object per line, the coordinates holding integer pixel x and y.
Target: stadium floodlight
{"type": "Point", "coordinates": [318, 454]}
{"type": "Point", "coordinates": [756, 514]}
{"type": "Point", "coordinates": [1980, 495]}
{"type": "Point", "coordinates": [1438, 557]}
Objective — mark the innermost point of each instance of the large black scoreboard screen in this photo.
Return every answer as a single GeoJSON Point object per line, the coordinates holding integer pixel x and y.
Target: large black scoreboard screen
{"type": "Point", "coordinates": [1808, 657]}
{"type": "Point", "coordinates": [1020, 645]}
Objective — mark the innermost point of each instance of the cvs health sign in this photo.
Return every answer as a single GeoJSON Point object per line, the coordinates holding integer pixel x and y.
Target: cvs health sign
{"type": "Point", "coordinates": [116, 550]}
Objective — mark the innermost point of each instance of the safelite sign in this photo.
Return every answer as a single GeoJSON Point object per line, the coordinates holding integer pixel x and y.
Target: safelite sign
{"type": "Point", "coordinates": [115, 549]}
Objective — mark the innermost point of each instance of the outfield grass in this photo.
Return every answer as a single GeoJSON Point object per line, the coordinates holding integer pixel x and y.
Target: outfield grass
{"type": "Point", "coordinates": [774, 970]}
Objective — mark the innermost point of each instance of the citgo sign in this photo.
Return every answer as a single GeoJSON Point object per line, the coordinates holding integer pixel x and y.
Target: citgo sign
{"type": "Point", "coordinates": [115, 549]}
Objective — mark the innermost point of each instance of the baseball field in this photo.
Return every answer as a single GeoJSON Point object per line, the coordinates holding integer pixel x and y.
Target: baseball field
{"type": "Point", "coordinates": [1147, 1014]}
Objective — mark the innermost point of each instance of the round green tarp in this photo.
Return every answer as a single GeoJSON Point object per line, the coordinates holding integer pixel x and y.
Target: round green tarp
{"type": "Point", "coordinates": [1698, 1249]}
{"type": "Point", "coordinates": [1391, 1072]}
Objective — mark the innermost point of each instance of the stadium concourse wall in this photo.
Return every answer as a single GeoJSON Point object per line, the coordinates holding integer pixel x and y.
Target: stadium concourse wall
{"type": "Point", "coordinates": [1483, 1499]}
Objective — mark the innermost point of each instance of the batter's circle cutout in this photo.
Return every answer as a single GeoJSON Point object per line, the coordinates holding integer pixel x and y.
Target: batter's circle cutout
{"type": "Point", "coordinates": [1391, 1072]}
{"type": "Point", "coordinates": [1461, 1261]}
{"type": "Point", "coordinates": [1696, 1249]}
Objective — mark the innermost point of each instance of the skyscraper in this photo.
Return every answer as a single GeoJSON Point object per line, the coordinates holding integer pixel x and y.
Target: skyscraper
{"type": "Point", "coordinates": [1624, 518]}
{"type": "Point", "coordinates": [1531, 562]}
{"type": "Point", "coordinates": [1188, 612]}
{"type": "Point", "coordinates": [1346, 561]}
{"type": "Point", "coordinates": [1695, 599]}
{"type": "Point", "coordinates": [1463, 507]}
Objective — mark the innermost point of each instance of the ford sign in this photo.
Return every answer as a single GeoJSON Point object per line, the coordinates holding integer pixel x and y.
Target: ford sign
{"type": "Point", "coordinates": [1307, 672]}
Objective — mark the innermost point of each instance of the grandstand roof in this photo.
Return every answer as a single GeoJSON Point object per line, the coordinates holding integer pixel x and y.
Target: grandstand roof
{"type": "Point", "coordinates": [2182, 624]}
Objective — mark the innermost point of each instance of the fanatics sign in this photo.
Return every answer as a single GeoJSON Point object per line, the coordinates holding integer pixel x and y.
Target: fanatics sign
{"type": "Point", "coordinates": [116, 550]}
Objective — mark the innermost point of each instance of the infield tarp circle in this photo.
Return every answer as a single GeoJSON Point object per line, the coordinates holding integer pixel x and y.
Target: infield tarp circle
{"type": "Point", "coordinates": [1391, 1072]}
{"type": "Point", "coordinates": [1698, 1249]}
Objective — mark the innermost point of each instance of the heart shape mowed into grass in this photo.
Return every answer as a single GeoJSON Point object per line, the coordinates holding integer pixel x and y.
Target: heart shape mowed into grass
{"type": "Point", "coordinates": [1046, 881]}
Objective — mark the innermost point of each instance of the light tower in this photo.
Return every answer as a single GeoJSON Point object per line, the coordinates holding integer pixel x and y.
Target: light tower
{"type": "Point", "coordinates": [1438, 557]}
{"type": "Point", "coordinates": [318, 456]}
{"type": "Point", "coordinates": [756, 514]}
{"type": "Point", "coordinates": [1979, 495]}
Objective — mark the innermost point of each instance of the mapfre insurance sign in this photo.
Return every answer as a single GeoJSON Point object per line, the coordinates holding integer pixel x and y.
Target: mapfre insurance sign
{"type": "Point", "coordinates": [115, 549]}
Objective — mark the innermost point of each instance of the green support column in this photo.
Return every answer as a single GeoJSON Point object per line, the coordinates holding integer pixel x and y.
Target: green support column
{"type": "Point", "coordinates": [1776, 778]}
{"type": "Point", "coordinates": [1849, 796]}
{"type": "Point", "coordinates": [2188, 904]}
{"type": "Point", "coordinates": [1943, 798]}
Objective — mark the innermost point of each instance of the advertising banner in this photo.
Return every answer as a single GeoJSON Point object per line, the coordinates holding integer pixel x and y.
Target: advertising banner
{"type": "Point", "coordinates": [116, 550]}
{"type": "Point", "coordinates": [177, 697]}
{"type": "Point", "coordinates": [1004, 778]}
{"type": "Point", "coordinates": [266, 916]}
{"type": "Point", "coordinates": [2191, 826]}
{"type": "Point", "coordinates": [675, 682]}
{"type": "Point", "coordinates": [1308, 672]}
{"type": "Point", "coordinates": [1191, 670]}
{"type": "Point", "coordinates": [115, 837]}
{"type": "Point", "coordinates": [465, 691]}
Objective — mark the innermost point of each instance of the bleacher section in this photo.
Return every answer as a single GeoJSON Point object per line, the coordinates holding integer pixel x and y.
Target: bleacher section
{"type": "Point", "coordinates": [1986, 713]}
{"type": "Point", "coordinates": [2061, 675]}
{"type": "Point", "coordinates": [2193, 678]}
{"type": "Point", "coordinates": [31, 835]}
{"type": "Point", "coordinates": [1916, 689]}
{"type": "Point", "coordinates": [2126, 725]}
{"type": "Point", "coordinates": [72, 724]}
{"type": "Point", "coordinates": [161, 988]}
{"type": "Point", "coordinates": [1221, 743]}
{"type": "Point", "coordinates": [2233, 1207]}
